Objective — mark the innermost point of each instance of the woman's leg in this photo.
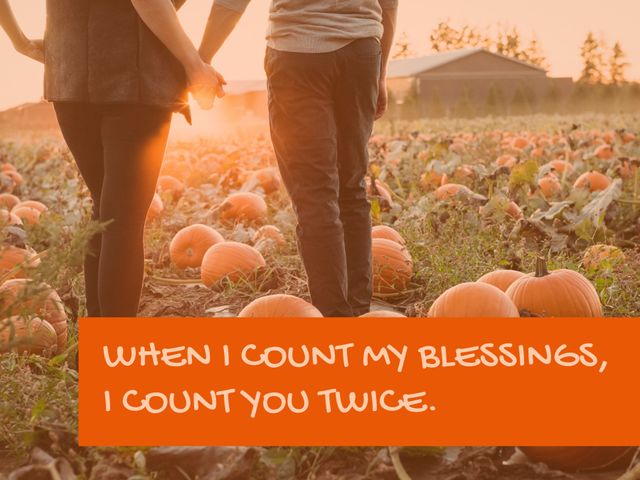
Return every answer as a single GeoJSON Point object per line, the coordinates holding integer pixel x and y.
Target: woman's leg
{"type": "Point", "coordinates": [134, 140]}
{"type": "Point", "coordinates": [80, 125]}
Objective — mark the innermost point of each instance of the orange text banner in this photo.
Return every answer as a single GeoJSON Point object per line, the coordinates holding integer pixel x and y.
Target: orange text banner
{"type": "Point", "coordinates": [359, 381]}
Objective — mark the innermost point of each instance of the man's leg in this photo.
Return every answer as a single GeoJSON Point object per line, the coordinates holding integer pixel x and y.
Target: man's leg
{"type": "Point", "coordinates": [303, 131]}
{"type": "Point", "coordinates": [356, 96]}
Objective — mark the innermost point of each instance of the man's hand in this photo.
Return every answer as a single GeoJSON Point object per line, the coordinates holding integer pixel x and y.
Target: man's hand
{"type": "Point", "coordinates": [383, 98]}
{"type": "Point", "coordinates": [33, 49]}
{"type": "Point", "coordinates": [205, 84]}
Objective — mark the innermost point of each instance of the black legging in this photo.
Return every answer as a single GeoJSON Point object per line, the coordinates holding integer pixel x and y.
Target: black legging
{"type": "Point", "coordinates": [119, 151]}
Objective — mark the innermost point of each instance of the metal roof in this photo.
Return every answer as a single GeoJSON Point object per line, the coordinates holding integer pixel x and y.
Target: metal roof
{"type": "Point", "coordinates": [410, 67]}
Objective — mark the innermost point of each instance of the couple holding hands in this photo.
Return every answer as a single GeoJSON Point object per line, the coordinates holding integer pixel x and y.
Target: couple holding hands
{"type": "Point", "coordinates": [116, 71]}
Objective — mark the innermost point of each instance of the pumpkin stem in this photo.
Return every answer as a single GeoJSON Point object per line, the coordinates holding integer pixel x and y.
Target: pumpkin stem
{"type": "Point", "coordinates": [541, 267]}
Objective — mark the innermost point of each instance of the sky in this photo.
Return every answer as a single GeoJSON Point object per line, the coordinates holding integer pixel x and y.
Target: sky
{"type": "Point", "coordinates": [559, 25]}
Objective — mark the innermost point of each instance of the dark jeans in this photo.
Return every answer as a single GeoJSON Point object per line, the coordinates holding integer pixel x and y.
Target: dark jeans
{"type": "Point", "coordinates": [322, 108]}
{"type": "Point", "coordinates": [119, 151]}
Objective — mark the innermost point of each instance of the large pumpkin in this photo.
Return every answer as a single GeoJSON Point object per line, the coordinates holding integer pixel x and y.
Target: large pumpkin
{"type": "Point", "coordinates": [21, 297]}
{"type": "Point", "coordinates": [594, 181]}
{"type": "Point", "coordinates": [501, 278]}
{"type": "Point", "coordinates": [382, 231]}
{"type": "Point", "coordinates": [230, 260]}
{"type": "Point", "coordinates": [279, 306]}
{"type": "Point", "coordinates": [473, 299]}
{"type": "Point", "coordinates": [574, 459]}
{"type": "Point", "coordinates": [559, 293]}
{"type": "Point", "coordinates": [392, 266]}
{"type": "Point", "coordinates": [27, 335]}
{"type": "Point", "coordinates": [16, 260]}
{"type": "Point", "coordinates": [243, 206]}
{"type": "Point", "coordinates": [188, 246]}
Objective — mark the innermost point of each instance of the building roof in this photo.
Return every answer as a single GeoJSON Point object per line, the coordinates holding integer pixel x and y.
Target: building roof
{"type": "Point", "coordinates": [410, 67]}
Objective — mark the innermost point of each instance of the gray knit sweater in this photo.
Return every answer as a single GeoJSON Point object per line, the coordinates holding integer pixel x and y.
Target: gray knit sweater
{"type": "Point", "coordinates": [319, 26]}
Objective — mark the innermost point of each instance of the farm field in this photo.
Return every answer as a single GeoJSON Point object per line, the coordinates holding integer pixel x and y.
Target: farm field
{"type": "Point", "coordinates": [464, 198]}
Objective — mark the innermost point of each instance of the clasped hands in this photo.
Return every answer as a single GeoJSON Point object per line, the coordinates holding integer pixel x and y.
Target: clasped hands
{"type": "Point", "coordinates": [205, 84]}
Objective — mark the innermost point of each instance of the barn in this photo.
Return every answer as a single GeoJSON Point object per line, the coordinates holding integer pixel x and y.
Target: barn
{"type": "Point", "coordinates": [476, 80]}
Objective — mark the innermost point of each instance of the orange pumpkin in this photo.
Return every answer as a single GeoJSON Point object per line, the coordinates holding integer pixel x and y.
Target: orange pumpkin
{"type": "Point", "coordinates": [392, 266]}
{"type": "Point", "coordinates": [188, 246]}
{"type": "Point", "coordinates": [383, 313]}
{"type": "Point", "coordinates": [559, 293]}
{"type": "Point", "coordinates": [382, 191]}
{"type": "Point", "coordinates": [514, 211]}
{"type": "Point", "coordinates": [594, 181]}
{"type": "Point", "coordinates": [627, 137]}
{"type": "Point", "coordinates": [473, 299]}
{"type": "Point", "coordinates": [16, 258]}
{"type": "Point", "coordinates": [432, 179]}
{"type": "Point", "coordinates": [41, 207]}
{"type": "Point", "coordinates": [230, 260]}
{"type": "Point", "coordinates": [167, 183]}
{"type": "Point", "coordinates": [28, 215]}
{"type": "Point", "coordinates": [520, 142]}
{"type": "Point", "coordinates": [5, 167]}
{"type": "Point", "coordinates": [604, 152]}
{"type": "Point", "coordinates": [155, 209]}
{"type": "Point", "coordinates": [501, 279]}
{"type": "Point", "coordinates": [451, 190]}
{"type": "Point", "coordinates": [506, 161]}
{"type": "Point", "coordinates": [243, 206]}
{"type": "Point", "coordinates": [598, 257]}
{"type": "Point", "coordinates": [8, 201]}
{"type": "Point", "coordinates": [266, 178]}
{"type": "Point", "coordinates": [561, 166]}
{"type": "Point", "coordinates": [269, 233]}
{"type": "Point", "coordinates": [23, 297]}
{"type": "Point", "coordinates": [28, 335]}
{"type": "Point", "coordinates": [279, 306]}
{"type": "Point", "coordinates": [549, 185]}
{"type": "Point", "coordinates": [383, 231]}
{"type": "Point", "coordinates": [573, 459]}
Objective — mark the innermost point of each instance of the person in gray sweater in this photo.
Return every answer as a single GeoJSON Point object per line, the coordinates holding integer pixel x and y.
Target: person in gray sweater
{"type": "Point", "coordinates": [326, 66]}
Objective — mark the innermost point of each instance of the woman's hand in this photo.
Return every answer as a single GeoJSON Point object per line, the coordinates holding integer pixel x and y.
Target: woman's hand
{"type": "Point", "coordinates": [205, 84]}
{"type": "Point", "coordinates": [33, 49]}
